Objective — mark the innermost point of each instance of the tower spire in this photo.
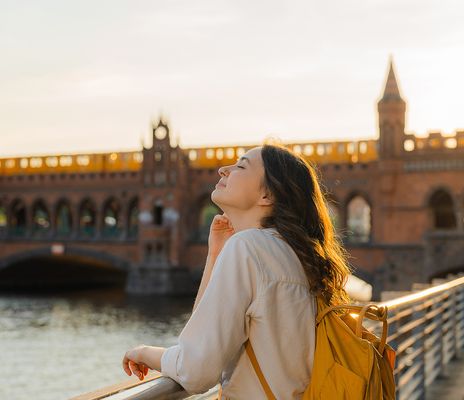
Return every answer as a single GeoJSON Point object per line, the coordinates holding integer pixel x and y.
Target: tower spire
{"type": "Point", "coordinates": [391, 91]}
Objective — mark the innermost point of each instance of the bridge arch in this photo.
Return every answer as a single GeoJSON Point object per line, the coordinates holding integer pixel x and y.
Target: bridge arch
{"type": "Point", "coordinates": [87, 223]}
{"type": "Point", "coordinates": [41, 221]}
{"type": "Point", "coordinates": [76, 267]}
{"type": "Point", "coordinates": [358, 220]}
{"type": "Point", "coordinates": [111, 217]}
{"type": "Point", "coordinates": [63, 222]}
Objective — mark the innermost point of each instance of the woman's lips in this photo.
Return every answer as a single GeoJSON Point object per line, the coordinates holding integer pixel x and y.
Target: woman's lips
{"type": "Point", "coordinates": [220, 185]}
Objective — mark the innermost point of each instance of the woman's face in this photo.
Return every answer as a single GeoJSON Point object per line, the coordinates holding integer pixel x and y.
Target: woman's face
{"type": "Point", "coordinates": [239, 186]}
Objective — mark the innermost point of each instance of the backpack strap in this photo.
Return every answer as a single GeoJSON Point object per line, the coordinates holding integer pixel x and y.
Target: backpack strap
{"type": "Point", "coordinates": [370, 310]}
{"type": "Point", "coordinates": [258, 371]}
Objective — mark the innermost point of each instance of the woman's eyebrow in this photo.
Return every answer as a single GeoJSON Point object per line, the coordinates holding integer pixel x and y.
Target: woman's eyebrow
{"type": "Point", "coordinates": [244, 158]}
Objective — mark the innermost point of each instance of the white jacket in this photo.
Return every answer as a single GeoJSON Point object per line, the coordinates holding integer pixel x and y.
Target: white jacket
{"type": "Point", "coordinates": [258, 290]}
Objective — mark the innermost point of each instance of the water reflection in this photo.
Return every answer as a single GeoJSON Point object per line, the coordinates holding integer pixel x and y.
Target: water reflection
{"type": "Point", "coordinates": [59, 345]}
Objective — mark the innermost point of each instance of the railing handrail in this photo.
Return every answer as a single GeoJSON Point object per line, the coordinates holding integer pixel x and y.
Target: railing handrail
{"type": "Point", "coordinates": [422, 294]}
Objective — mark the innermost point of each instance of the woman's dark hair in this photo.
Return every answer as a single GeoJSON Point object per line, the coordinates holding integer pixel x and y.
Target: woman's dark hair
{"type": "Point", "coordinates": [301, 216]}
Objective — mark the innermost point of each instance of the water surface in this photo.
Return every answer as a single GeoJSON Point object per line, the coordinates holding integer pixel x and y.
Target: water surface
{"type": "Point", "coordinates": [55, 346]}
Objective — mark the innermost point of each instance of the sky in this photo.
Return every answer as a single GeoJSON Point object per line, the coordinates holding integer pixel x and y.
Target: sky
{"type": "Point", "coordinates": [91, 76]}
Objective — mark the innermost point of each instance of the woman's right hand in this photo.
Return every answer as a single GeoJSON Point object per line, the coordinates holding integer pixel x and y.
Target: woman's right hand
{"type": "Point", "coordinates": [220, 230]}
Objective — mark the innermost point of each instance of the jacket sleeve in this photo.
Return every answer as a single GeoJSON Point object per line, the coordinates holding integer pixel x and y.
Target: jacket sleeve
{"type": "Point", "coordinates": [218, 327]}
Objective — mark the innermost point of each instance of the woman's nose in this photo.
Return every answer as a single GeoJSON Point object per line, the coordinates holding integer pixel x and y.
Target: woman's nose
{"type": "Point", "coordinates": [223, 171]}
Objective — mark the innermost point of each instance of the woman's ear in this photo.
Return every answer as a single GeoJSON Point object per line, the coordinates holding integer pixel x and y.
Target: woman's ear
{"type": "Point", "coordinates": [266, 200]}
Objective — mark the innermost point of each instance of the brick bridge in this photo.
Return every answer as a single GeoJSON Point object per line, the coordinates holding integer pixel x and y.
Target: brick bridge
{"type": "Point", "coordinates": [143, 216]}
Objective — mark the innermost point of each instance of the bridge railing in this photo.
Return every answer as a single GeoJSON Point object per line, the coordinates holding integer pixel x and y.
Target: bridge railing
{"type": "Point", "coordinates": [426, 328]}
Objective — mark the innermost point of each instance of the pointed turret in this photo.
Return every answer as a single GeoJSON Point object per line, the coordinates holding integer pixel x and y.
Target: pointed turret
{"type": "Point", "coordinates": [392, 118]}
{"type": "Point", "coordinates": [391, 91]}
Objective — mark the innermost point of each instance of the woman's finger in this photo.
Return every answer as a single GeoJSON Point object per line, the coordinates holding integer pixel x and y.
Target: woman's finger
{"type": "Point", "coordinates": [136, 369]}
{"type": "Point", "coordinates": [125, 366]}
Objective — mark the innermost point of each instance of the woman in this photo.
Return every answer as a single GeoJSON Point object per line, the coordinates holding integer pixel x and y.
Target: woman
{"type": "Point", "coordinates": [269, 254]}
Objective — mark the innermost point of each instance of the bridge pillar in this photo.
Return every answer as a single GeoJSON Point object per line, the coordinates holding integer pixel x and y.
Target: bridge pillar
{"type": "Point", "coordinates": [160, 278]}
{"type": "Point", "coordinates": [74, 208]}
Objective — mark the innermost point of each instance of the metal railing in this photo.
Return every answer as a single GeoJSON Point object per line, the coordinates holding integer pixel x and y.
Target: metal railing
{"type": "Point", "coordinates": [426, 328]}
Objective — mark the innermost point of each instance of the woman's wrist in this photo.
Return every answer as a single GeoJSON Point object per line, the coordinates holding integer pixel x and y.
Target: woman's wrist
{"type": "Point", "coordinates": [151, 356]}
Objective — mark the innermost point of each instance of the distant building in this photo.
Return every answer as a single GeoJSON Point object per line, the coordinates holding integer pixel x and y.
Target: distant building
{"type": "Point", "coordinates": [397, 202]}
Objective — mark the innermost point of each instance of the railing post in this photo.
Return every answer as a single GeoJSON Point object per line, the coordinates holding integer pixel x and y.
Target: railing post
{"type": "Point", "coordinates": [417, 315]}
{"type": "Point", "coordinates": [459, 320]}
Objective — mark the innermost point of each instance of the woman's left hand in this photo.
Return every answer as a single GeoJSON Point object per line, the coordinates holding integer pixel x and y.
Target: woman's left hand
{"type": "Point", "coordinates": [133, 362]}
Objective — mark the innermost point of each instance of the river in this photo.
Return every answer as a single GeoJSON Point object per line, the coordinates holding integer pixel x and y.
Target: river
{"type": "Point", "coordinates": [59, 345]}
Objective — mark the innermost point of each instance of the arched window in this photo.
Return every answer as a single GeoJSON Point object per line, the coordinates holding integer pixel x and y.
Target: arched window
{"type": "Point", "coordinates": [40, 218]}
{"type": "Point", "coordinates": [111, 222]}
{"type": "Point", "coordinates": [358, 220]}
{"type": "Point", "coordinates": [207, 213]}
{"type": "Point", "coordinates": [63, 218]}
{"type": "Point", "coordinates": [87, 212]}
{"type": "Point", "coordinates": [133, 223]}
{"type": "Point", "coordinates": [442, 209]}
{"type": "Point", "coordinates": [18, 224]}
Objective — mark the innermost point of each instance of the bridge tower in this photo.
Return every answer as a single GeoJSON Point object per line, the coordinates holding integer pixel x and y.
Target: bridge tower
{"type": "Point", "coordinates": [392, 115]}
{"type": "Point", "coordinates": [163, 194]}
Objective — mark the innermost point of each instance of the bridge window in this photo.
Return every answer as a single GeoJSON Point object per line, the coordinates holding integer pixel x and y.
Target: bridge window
{"type": "Point", "coordinates": [63, 218]}
{"type": "Point", "coordinates": [40, 218]}
{"type": "Point", "coordinates": [409, 145]}
{"type": "Point", "coordinates": [111, 225]}
{"type": "Point", "coordinates": [65, 161]}
{"type": "Point", "coordinates": [240, 151]}
{"type": "Point", "coordinates": [148, 252]}
{"type": "Point", "coordinates": [297, 149]}
{"type": "Point", "coordinates": [138, 157]}
{"type": "Point", "coordinates": [210, 153]}
{"type": "Point", "coordinates": [87, 218]}
{"type": "Point", "coordinates": [230, 152]}
{"type": "Point", "coordinates": [442, 208]}
{"type": "Point", "coordinates": [363, 147]}
{"type": "Point", "coordinates": [133, 224]}
{"type": "Point", "coordinates": [36, 162]}
{"type": "Point", "coordinates": [358, 220]}
{"type": "Point", "coordinates": [158, 214]}
{"type": "Point", "coordinates": [451, 143]}
{"type": "Point", "coordinates": [83, 160]}
{"type": "Point", "coordinates": [351, 148]}
{"type": "Point", "coordinates": [308, 150]}
{"type": "Point", "coordinates": [207, 213]}
{"type": "Point", "coordinates": [51, 161]}
{"type": "Point", "coordinates": [160, 178]}
{"type": "Point", "coordinates": [192, 155]}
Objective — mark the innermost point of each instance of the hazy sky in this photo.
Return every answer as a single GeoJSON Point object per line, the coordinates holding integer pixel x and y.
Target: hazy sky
{"type": "Point", "coordinates": [81, 76]}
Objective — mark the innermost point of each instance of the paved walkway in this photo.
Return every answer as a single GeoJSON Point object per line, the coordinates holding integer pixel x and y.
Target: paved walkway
{"type": "Point", "coordinates": [451, 386]}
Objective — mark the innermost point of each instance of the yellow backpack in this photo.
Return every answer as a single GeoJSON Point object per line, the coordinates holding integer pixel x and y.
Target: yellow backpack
{"type": "Point", "coordinates": [350, 363]}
